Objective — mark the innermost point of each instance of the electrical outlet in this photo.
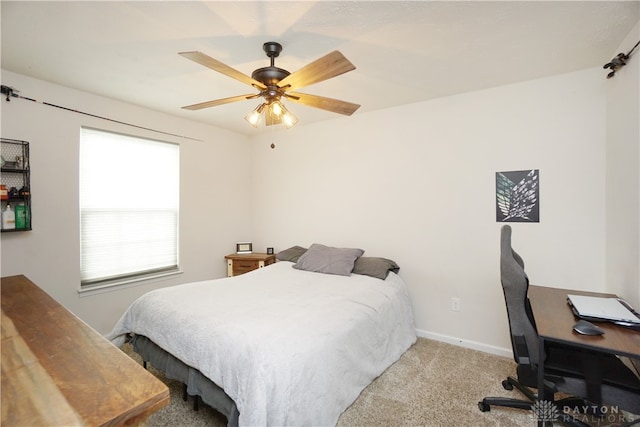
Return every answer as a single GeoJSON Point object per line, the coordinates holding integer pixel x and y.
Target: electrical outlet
{"type": "Point", "coordinates": [455, 304]}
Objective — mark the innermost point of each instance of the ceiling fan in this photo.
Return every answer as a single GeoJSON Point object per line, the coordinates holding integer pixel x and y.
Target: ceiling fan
{"type": "Point", "coordinates": [275, 84]}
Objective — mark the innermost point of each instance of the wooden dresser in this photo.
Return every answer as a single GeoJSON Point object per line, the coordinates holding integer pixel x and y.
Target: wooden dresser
{"type": "Point", "coordinates": [56, 370]}
{"type": "Point", "coordinates": [243, 263]}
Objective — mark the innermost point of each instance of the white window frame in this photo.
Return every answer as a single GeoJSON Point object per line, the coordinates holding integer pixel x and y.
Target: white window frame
{"type": "Point", "coordinates": [129, 208]}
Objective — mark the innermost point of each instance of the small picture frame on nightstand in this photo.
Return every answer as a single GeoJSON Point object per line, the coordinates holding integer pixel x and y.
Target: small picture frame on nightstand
{"type": "Point", "coordinates": [269, 251]}
{"type": "Point", "coordinates": [244, 247]}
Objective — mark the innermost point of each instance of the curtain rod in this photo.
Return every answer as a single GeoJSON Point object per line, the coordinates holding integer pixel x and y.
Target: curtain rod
{"type": "Point", "coordinates": [12, 93]}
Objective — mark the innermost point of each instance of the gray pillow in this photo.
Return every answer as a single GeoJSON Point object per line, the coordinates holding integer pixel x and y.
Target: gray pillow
{"type": "Point", "coordinates": [375, 267]}
{"type": "Point", "coordinates": [292, 254]}
{"type": "Point", "coordinates": [325, 259]}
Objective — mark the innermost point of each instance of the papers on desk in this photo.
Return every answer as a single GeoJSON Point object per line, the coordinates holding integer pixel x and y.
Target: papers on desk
{"type": "Point", "coordinates": [602, 308]}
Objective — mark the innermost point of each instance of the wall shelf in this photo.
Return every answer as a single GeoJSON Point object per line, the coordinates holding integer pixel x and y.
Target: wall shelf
{"type": "Point", "coordinates": [15, 178]}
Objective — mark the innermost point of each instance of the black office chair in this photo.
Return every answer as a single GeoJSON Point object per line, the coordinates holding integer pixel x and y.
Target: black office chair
{"type": "Point", "coordinates": [595, 378]}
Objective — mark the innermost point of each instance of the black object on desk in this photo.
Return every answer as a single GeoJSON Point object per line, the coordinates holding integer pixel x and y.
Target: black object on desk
{"type": "Point", "coordinates": [587, 328]}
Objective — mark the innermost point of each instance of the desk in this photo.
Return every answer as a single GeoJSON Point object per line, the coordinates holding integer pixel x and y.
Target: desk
{"type": "Point", "coordinates": [56, 370]}
{"type": "Point", "coordinates": [554, 322]}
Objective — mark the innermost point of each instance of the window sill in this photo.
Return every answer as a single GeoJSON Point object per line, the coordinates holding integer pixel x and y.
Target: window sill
{"type": "Point", "coordinates": [124, 284]}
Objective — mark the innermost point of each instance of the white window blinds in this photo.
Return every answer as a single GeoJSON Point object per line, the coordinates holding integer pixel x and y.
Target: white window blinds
{"type": "Point", "coordinates": [129, 203]}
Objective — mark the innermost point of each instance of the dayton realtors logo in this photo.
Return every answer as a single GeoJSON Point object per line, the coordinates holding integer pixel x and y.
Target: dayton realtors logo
{"type": "Point", "coordinates": [543, 410]}
{"type": "Point", "coordinates": [593, 415]}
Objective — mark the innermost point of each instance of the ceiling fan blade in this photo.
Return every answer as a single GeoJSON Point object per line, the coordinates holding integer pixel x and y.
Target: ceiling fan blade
{"type": "Point", "coordinates": [330, 65]}
{"type": "Point", "coordinates": [329, 104]}
{"type": "Point", "coordinates": [208, 104]}
{"type": "Point", "coordinates": [218, 66]}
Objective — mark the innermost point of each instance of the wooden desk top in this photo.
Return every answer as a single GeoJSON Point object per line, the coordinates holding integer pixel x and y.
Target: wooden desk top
{"type": "Point", "coordinates": [555, 319]}
{"type": "Point", "coordinates": [56, 370]}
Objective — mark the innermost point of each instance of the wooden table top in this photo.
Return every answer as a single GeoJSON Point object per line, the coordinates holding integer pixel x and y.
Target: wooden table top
{"type": "Point", "coordinates": [56, 370]}
{"type": "Point", "coordinates": [555, 319]}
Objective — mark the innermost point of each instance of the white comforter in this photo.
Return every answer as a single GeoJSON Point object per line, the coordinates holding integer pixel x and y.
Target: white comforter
{"type": "Point", "coordinates": [290, 347]}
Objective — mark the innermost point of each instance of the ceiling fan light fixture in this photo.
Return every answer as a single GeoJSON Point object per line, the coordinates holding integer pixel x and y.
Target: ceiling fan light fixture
{"type": "Point", "coordinates": [275, 113]}
{"type": "Point", "coordinates": [277, 109]}
{"type": "Point", "coordinates": [253, 118]}
{"type": "Point", "coordinates": [289, 120]}
{"type": "Point", "coordinates": [279, 112]}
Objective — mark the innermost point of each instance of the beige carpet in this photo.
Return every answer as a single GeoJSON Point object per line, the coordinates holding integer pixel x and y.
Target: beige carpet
{"type": "Point", "coordinates": [433, 384]}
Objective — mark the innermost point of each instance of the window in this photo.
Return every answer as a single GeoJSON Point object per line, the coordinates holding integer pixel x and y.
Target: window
{"type": "Point", "coordinates": [129, 203]}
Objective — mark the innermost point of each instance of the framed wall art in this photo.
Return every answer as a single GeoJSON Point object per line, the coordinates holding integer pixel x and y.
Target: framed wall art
{"type": "Point", "coordinates": [518, 196]}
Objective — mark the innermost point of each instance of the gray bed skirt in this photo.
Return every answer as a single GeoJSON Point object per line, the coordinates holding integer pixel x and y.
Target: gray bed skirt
{"type": "Point", "coordinates": [197, 384]}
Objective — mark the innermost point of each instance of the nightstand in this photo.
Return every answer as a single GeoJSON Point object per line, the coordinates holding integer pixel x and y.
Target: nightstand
{"type": "Point", "coordinates": [242, 263]}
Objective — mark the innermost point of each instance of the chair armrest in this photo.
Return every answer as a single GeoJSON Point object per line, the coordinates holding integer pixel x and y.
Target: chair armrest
{"type": "Point", "coordinates": [521, 351]}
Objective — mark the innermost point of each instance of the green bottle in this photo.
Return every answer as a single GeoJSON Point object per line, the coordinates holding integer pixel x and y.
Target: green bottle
{"type": "Point", "coordinates": [22, 216]}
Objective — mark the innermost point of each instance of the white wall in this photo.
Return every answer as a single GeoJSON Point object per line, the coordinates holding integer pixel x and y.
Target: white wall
{"type": "Point", "coordinates": [213, 213]}
{"type": "Point", "coordinates": [623, 176]}
{"type": "Point", "coordinates": [417, 184]}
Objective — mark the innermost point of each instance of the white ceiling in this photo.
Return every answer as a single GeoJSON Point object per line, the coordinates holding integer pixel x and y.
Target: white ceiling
{"type": "Point", "coordinates": [404, 51]}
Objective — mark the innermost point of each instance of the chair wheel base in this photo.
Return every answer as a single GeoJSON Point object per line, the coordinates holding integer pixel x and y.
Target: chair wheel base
{"type": "Point", "coordinates": [484, 407]}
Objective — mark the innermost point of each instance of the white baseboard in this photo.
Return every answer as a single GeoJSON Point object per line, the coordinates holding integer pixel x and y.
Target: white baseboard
{"type": "Point", "coordinates": [499, 351]}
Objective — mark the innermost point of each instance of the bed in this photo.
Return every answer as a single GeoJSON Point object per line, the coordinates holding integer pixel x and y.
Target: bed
{"type": "Point", "coordinates": [286, 344]}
